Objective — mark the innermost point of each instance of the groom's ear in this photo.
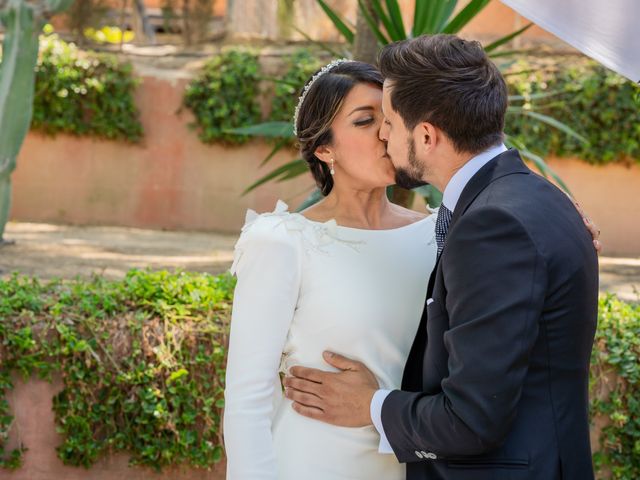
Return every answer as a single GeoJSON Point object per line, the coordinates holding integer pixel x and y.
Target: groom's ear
{"type": "Point", "coordinates": [324, 153]}
{"type": "Point", "coordinates": [426, 136]}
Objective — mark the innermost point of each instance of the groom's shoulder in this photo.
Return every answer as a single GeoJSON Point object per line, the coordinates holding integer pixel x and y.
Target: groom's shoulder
{"type": "Point", "coordinates": [541, 208]}
{"type": "Point", "coordinates": [528, 191]}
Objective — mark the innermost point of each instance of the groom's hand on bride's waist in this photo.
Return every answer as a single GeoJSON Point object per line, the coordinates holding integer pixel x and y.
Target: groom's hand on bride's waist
{"type": "Point", "coordinates": [340, 398]}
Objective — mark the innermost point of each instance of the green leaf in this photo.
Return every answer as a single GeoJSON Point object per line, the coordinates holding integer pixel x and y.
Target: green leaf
{"type": "Point", "coordinates": [508, 53]}
{"type": "Point", "coordinates": [538, 161]}
{"type": "Point", "coordinates": [287, 171]}
{"type": "Point", "coordinates": [176, 375]}
{"type": "Point", "coordinates": [465, 16]}
{"type": "Point", "coordinates": [507, 38]}
{"type": "Point", "coordinates": [373, 25]}
{"type": "Point", "coordinates": [434, 16]}
{"type": "Point", "coordinates": [342, 27]}
{"type": "Point", "coordinates": [395, 16]}
{"type": "Point", "coordinates": [534, 96]}
{"type": "Point", "coordinates": [420, 18]}
{"type": "Point", "coordinates": [322, 45]}
{"type": "Point", "coordinates": [276, 148]}
{"type": "Point", "coordinates": [386, 20]}
{"type": "Point", "coordinates": [267, 129]}
{"type": "Point", "coordinates": [312, 199]}
{"type": "Point", "coordinates": [556, 124]}
{"type": "Point", "coordinates": [431, 195]}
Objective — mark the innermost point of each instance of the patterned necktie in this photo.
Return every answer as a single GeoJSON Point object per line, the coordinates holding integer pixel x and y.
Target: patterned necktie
{"type": "Point", "coordinates": [442, 226]}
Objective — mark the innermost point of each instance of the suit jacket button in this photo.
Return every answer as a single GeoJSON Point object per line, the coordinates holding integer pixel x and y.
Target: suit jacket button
{"type": "Point", "coordinates": [418, 454]}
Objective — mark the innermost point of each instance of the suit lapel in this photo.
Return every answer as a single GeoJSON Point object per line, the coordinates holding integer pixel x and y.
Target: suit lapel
{"type": "Point", "coordinates": [506, 163]}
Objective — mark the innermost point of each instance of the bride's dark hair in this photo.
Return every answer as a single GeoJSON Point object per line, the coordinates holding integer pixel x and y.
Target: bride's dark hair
{"type": "Point", "coordinates": [320, 107]}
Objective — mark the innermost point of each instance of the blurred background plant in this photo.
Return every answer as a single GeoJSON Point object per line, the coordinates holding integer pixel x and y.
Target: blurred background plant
{"type": "Point", "coordinates": [224, 96]}
{"type": "Point", "coordinates": [379, 24]}
{"type": "Point", "coordinates": [84, 93]}
{"type": "Point", "coordinates": [107, 34]}
{"type": "Point", "coordinates": [600, 103]}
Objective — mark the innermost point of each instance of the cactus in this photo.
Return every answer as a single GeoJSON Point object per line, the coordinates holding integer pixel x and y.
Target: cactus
{"type": "Point", "coordinates": [23, 23]}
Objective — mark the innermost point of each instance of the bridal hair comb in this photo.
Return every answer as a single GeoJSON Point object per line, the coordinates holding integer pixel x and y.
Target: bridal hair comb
{"type": "Point", "coordinates": [308, 86]}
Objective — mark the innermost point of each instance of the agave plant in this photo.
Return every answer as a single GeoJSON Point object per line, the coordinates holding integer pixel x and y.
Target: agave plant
{"type": "Point", "coordinates": [430, 17]}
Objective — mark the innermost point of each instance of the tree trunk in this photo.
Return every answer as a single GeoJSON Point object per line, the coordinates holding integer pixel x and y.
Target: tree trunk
{"type": "Point", "coordinates": [365, 49]}
{"type": "Point", "coordinates": [187, 35]}
{"type": "Point", "coordinates": [142, 27]}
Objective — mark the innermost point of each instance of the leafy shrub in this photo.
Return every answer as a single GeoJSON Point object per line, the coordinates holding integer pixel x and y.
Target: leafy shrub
{"type": "Point", "coordinates": [143, 359]}
{"type": "Point", "coordinates": [225, 96]}
{"type": "Point", "coordinates": [596, 102]}
{"type": "Point", "coordinates": [84, 93]}
{"type": "Point", "coordinates": [615, 388]}
{"type": "Point", "coordinates": [297, 70]}
{"type": "Point", "coordinates": [142, 363]}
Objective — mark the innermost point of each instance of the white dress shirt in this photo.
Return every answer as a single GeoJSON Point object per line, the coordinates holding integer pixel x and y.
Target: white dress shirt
{"type": "Point", "coordinates": [450, 198]}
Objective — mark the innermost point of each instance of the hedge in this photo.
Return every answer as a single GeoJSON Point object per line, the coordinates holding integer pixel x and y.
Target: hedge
{"type": "Point", "coordinates": [83, 93]}
{"type": "Point", "coordinates": [597, 103]}
{"type": "Point", "coordinates": [141, 359]}
{"type": "Point", "coordinates": [142, 362]}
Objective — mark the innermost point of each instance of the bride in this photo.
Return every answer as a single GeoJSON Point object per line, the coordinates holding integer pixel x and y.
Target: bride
{"type": "Point", "coordinates": [347, 275]}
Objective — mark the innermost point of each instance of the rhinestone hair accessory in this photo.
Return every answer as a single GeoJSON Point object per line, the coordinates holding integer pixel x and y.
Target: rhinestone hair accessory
{"type": "Point", "coordinates": [308, 86]}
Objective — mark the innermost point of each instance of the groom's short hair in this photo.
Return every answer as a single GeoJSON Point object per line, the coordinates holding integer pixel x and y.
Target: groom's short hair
{"type": "Point", "coordinates": [449, 82]}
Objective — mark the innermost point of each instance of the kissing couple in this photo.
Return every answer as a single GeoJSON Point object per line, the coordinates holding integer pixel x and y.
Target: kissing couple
{"type": "Point", "coordinates": [369, 341]}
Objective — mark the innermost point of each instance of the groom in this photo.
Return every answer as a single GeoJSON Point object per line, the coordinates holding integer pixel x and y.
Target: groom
{"type": "Point", "coordinates": [496, 383]}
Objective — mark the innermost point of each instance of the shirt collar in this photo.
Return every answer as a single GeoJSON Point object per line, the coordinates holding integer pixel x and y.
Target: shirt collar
{"type": "Point", "coordinates": [456, 185]}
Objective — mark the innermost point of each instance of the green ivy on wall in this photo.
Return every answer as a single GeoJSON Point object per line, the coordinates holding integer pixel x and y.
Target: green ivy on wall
{"type": "Point", "coordinates": [142, 362]}
{"type": "Point", "coordinates": [225, 96]}
{"type": "Point", "coordinates": [596, 102]}
{"type": "Point", "coordinates": [615, 388]}
{"type": "Point", "coordinates": [84, 93]}
{"type": "Point", "coordinates": [297, 69]}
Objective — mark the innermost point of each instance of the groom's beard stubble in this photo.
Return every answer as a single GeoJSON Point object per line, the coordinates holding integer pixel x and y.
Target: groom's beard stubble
{"type": "Point", "coordinates": [410, 177]}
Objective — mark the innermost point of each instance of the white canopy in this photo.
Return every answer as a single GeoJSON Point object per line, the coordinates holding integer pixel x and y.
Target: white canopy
{"type": "Point", "coordinates": [606, 30]}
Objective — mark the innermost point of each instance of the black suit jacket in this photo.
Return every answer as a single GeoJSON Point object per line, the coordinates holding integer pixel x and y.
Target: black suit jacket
{"type": "Point", "coordinates": [496, 383]}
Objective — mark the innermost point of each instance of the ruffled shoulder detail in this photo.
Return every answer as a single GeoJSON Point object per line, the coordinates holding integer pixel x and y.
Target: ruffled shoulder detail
{"type": "Point", "coordinates": [259, 228]}
{"type": "Point", "coordinates": [310, 235]}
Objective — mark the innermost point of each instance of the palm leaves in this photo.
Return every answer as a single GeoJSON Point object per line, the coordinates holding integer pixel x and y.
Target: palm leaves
{"type": "Point", "coordinates": [430, 17]}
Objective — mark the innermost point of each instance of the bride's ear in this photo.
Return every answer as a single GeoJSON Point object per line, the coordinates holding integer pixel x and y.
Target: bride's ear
{"type": "Point", "coordinates": [324, 153]}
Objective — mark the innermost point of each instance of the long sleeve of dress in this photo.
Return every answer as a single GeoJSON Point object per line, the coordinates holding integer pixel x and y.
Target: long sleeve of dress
{"type": "Point", "coordinates": [267, 266]}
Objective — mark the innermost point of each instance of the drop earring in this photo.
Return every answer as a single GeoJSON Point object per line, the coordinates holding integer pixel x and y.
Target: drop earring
{"type": "Point", "coordinates": [332, 170]}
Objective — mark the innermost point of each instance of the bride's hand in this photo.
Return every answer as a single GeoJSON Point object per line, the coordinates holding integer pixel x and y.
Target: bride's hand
{"type": "Point", "coordinates": [592, 227]}
{"type": "Point", "coordinates": [341, 398]}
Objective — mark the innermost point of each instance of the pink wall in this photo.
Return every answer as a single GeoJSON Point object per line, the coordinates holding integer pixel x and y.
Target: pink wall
{"type": "Point", "coordinates": [170, 181]}
{"type": "Point", "coordinates": [34, 427]}
{"type": "Point", "coordinates": [173, 181]}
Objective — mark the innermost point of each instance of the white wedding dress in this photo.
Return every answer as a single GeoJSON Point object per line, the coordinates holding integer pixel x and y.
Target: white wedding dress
{"type": "Point", "coordinates": [305, 287]}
